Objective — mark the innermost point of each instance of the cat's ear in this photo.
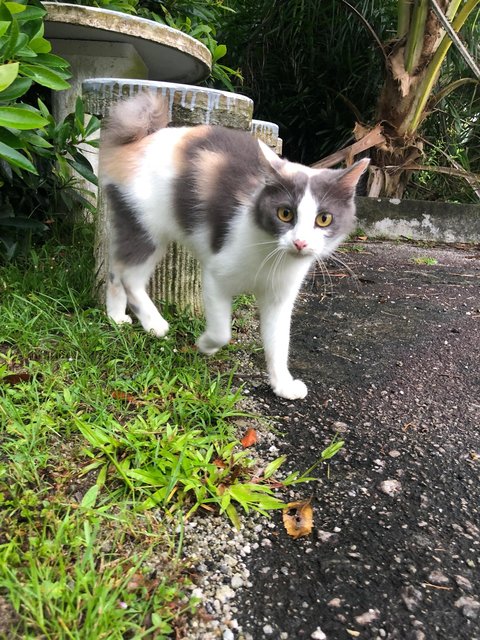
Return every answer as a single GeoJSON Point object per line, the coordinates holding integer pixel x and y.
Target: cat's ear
{"type": "Point", "coordinates": [269, 160]}
{"type": "Point", "coordinates": [349, 177]}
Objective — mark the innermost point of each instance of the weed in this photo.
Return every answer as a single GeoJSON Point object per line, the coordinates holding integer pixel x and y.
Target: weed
{"type": "Point", "coordinates": [425, 260]}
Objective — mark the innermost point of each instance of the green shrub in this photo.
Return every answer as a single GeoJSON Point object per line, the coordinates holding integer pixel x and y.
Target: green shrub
{"type": "Point", "coordinates": [36, 153]}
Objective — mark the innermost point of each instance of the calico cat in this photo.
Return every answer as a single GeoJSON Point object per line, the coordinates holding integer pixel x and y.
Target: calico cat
{"type": "Point", "coordinates": [256, 222]}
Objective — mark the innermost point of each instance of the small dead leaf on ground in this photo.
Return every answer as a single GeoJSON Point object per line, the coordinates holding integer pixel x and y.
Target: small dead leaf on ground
{"type": "Point", "coordinates": [126, 397]}
{"type": "Point", "coordinates": [249, 439]}
{"type": "Point", "coordinates": [17, 378]}
{"type": "Point", "coordinates": [298, 519]}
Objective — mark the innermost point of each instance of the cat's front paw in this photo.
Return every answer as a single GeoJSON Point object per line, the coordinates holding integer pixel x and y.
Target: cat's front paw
{"type": "Point", "coordinates": [290, 389]}
{"type": "Point", "coordinates": [120, 318]}
{"type": "Point", "coordinates": [207, 346]}
{"type": "Point", "coordinates": [159, 327]}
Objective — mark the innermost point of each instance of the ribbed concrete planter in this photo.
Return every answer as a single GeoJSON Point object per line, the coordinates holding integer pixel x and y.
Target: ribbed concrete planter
{"type": "Point", "coordinates": [188, 105]}
{"type": "Point", "coordinates": [265, 131]}
{"type": "Point", "coordinates": [177, 279]}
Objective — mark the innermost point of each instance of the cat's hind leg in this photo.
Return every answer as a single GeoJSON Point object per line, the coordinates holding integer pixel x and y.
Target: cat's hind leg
{"type": "Point", "coordinates": [135, 279]}
{"type": "Point", "coordinates": [117, 298]}
{"type": "Point", "coordinates": [133, 255]}
{"type": "Point", "coordinates": [218, 313]}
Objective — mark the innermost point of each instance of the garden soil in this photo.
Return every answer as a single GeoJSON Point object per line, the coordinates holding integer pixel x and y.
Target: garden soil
{"type": "Point", "coordinates": [391, 356]}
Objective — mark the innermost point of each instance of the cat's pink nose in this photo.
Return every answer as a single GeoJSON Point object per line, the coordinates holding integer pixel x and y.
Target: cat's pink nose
{"type": "Point", "coordinates": [300, 244]}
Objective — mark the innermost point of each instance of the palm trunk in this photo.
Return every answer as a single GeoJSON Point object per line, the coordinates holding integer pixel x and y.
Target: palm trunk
{"type": "Point", "coordinates": [414, 62]}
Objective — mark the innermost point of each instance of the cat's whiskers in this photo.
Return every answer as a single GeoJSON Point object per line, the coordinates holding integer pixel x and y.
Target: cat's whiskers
{"type": "Point", "coordinates": [272, 276]}
{"type": "Point", "coordinates": [334, 257]}
{"type": "Point", "coordinates": [265, 260]}
{"type": "Point", "coordinates": [258, 244]}
{"type": "Point", "coordinates": [324, 272]}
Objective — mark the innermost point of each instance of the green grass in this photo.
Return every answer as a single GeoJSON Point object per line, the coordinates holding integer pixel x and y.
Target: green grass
{"type": "Point", "coordinates": [109, 440]}
{"type": "Point", "coordinates": [425, 260]}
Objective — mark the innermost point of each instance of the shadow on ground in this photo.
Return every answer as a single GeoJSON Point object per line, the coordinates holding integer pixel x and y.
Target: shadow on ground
{"type": "Point", "coordinates": [393, 364]}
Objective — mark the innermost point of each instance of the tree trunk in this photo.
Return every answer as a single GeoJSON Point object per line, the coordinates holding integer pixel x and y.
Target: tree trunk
{"type": "Point", "coordinates": [413, 63]}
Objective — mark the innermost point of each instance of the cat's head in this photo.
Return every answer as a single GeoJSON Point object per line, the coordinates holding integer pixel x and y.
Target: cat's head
{"type": "Point", "coordinates": [309, 211]}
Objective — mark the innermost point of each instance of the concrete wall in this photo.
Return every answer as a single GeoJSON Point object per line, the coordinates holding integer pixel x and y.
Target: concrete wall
{"type": "Point", "coordinates": [418, 220]}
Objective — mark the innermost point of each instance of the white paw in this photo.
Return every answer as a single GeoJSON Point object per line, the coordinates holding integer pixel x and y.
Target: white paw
{"type": "Point", "coordinates": [207, 346]}
{"type": "Point", "coordinates": [159, 327]}
{"type": "Point", "coordinates": [121, 318]}
{"type": "Point", "coordinates": [291, 389]}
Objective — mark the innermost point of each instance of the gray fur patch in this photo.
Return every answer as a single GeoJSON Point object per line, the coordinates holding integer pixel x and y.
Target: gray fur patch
{"type": "Point", "coordinates": [132, 244]}
{"type": "Point", "coordinates": [336, 198]}
{"type": "Point", "coordinates": [281, 190]}
{"type": "Point", "coordinates": [237, 177]}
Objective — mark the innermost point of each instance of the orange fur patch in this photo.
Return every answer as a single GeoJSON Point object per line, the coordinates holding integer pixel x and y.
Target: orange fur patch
{"type": "Point", "coordinates": [208, 166]}
{"type": "Point", "coordinates": [120, 164]}
{"type": "Point", "coordinates": [180, 155]}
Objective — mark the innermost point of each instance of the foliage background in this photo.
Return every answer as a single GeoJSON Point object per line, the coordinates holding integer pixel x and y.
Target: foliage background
{"type": "Point", "coordinates": [316, 68]}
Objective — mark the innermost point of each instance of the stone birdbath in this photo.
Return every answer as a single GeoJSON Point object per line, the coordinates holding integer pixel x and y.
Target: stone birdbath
{"type": "Point", "coordinates": [103, 43]}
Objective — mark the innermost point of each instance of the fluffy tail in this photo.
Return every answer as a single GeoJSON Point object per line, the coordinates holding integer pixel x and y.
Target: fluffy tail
{"type": "Point", "coordinates": [134, 119]}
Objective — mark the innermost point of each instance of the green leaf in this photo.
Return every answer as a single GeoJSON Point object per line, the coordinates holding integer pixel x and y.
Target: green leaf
{"type": "Point", "coordinates": [332, 449]}
{"type": "Point", "coordinates": [31, 13]}
{"type": "Point", "coordinates": [15, 7]}
{"type": "Point", "coordinates": [23, 223]}
{"type": "Point", "coordinates": [11, 138]}
{"type": "Point", "coordinates": [151, 478]}
{"type": "Point", "coordinates": [44, 76]}
{"type": "Point", "coordinates": [102, 475]}
{"type": "Point", "coordinates": [233, 515]}
{"type": "Point", "coordinates": [51, 60]}
{"type": "Point", "coordinates": [16, 159]}
{"type": "Point", "coordinates": [79, 110]}
{"type": "Point", "coordinates": [8, 73]}
{"type": "Point", "coordinates": [90, 498]}
{"type": "Point", "coordinates": [219, 52]}
{"type": "Point", "coordinates": [36, 140]}
{"type": "Point", "coordinates": [38, 42]}
{"type": "Point", "coordinates": [4, 25]}
{"type": "Point", "coordinates": [12, 40]}
{"type": "Point", "coordinates": [16, 90]}
{"type": "Point", "coordinates": [83, 171]}
{"type": "Point", "coordinates": [19, 118]}
{"type": "Point", "coordinates": [273, 466]}
{"type": "Point", "coordinates": [92, 126]}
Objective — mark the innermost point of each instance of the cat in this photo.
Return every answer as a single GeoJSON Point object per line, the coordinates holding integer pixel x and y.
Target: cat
{"type": "Point", "coordinates": [256, 222]}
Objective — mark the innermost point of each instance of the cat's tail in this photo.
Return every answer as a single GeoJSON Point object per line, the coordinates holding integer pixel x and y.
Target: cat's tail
{"type": "Point", "coordinates": [134, 119]}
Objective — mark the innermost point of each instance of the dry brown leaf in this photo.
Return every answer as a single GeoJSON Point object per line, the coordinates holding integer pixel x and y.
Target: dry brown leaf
{"type": "Point", "coordinates": [17, 378]}
{"type": "Point", "coordinates": [298, 519]}
{"type": "Point", "coordinates": [249, 439]}
{"type": "Point", "coordinates": [127, 397]}
{"type": "Point", "coordinates": [136, 581]}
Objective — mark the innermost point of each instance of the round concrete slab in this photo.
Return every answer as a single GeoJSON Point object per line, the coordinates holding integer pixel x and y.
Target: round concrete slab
{"type": "Point", "coordinates": [168, 53]}
{"type": "Point", "coordinates": [188, 105]}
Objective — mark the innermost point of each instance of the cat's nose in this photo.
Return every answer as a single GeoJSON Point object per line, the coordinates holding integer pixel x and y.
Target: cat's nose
{"type": "Point", "coordinates": [300, 244]}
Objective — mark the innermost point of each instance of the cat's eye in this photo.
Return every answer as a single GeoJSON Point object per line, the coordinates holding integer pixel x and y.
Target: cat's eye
{"type": "Point", "coordinates": [285, 214]}
{"type": "Point", "coordinates": [324, 219]}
